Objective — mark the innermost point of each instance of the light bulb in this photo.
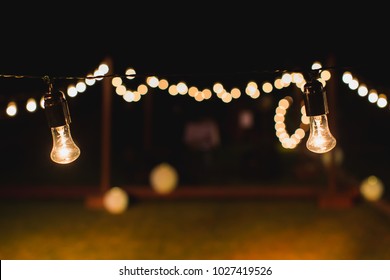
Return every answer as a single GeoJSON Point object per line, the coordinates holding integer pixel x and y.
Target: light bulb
{"type": "Point", "coordinates": [316, 106]}
{"type": "Point", "coordinates": [57, 112]}
{"type": "Point", "coordinates": [64, 149]}
{"type": "Point", "coordinates": [320, 139]}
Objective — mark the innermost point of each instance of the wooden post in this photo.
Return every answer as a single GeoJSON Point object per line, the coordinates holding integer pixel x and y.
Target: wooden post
{"type": "Point", "coordinates": [333, 197]}
{"type": "Point", "coordinates": [105, 179]}
{"type": "Point", "coordinates": [148, 122]}
{"type": "Point", "coordinates": [96, 201]}
{"type": "Point", "coordinates": [332, 119]}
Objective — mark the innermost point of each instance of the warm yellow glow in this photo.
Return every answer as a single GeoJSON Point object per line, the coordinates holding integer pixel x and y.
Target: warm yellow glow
{"type": "Point", "coordinates": [42, 103]}
{"type": "Point", "coordinates": [163, 84]}
{"type": "Point", "coordinates": [218, 88]}
{"type": "Point", "coordinates": [372, 188]}
{"type": "Point", "coordinates": [116, 81]}
{"type": "Point", "coordinates": [221, 93]}
{"type": "Point", "coordinates": [323, 82]}
{"type": "Point", "coordinates": [297, 78]}
{"type": "Point", "coordinates": [295, 139]}
{"type": "Point", "coordinates": [207, 93]}
{"type": "Point", "coordinates": [278, 83]}
{"type": "Point", "coordinates": [137, 96]}
{"type": "Point", "coordinates": [192, 91]}
{"type": "Point", "coordinates": [103, 68]}
{"type": "Point", "coordinates": [303, 110]}
{"type": "Point", "coordinates": [362, 90]}
{"type": "Point", "coordinates": [251, 88]}
{"type": "Point", "coordinates": [142, 89]}
{"type": "Point", "coordinates": [280, 110]}
{"type": "Point", "coordinates": [98, 75]}
{"type": "Point", "coordinates": [382, 101]}
{"type": "Point", "coordinates": [252, 84]}
{"type": "Point", "coordinates": [282, 134]}
{"type": "Point", "coordinates": [316, 65]}
{"type": "Point", "coordinates": [163, 178]}
{"type": "Point", "coordinates": [325, 75]}
{"type": "Point", "coordinates": [279, 118]}
{"type": "Point", "coordinates": [173, 90]}
{"type": "Point", "coordinates": [236, 93]}
{"type": "Point", "coordinates": [12, 109]}
{"type": "Point", "coordinates": [301, 85]}
{"type": "Point", "coordinates": [81, 86]}
{"type": "Point", "coordinates": [300, 133]}
{"type": "Point", "coordinates": [152, 81]}
{"type": "Point", "coordinates": [320, 139]}
{"type": "Point", "coordinates": [71, 91]}
{"type": "Point", "coordinates": [128, 96]}
{"type": "Point", "coordinates": [115, 200]}
{"type": "Point", "coordinates": [120, 90]}
{"type": "Point", "coordinates": [372, 96]}
{"type": "Point", "coordinates": [267, 87]}
{"type": "Point", "coordinates": [64, 150]}
{"type": "Point", "coordinates": [286, 79]}
{"type": "Point", "coordinates": [182, 88]}
{"type": "Point", "coordinates": [227, 98]}
{"type": "Point", "coordinates": [287, 141]}
{"type": "Point", "coordinates": [31, 105]}
{"type": "Point", "coordinates": [256, 94]}
{"type": "Point", "coordinates": [305, 119]}
{"type": "Point", "coordinates": [280, 126]}
{"type": "Point", "coordinates": [353, 84]}
{"type": "Point", "coordinates": [90, 81]}
{"type": "Point", "coordinates": [347, 77]}
{"type": "Point", "coordinates": [130, 73]}
{"type": "Point", "coordinates": [283, 103]}
{"type": "Point", "coordinates": [199, 97]}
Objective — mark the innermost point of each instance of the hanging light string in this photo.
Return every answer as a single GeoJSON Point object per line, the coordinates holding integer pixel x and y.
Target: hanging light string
{"type": "Point", "coordinates": [284, 78]}
{"type": "Point", "coordinates": [181, 88]}
{"type": "Point", "coordinates": [361, 89]}
{"type": "Point", "coordinates": [135, 94]}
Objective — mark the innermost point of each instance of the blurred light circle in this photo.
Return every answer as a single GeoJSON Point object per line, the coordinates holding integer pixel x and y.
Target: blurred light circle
{"type": "Point", "coordinates": [163, 178]}
{"type": "Point", "coordinates": [371, 188]}
{"type": "Point", "coordinates": [115, 200]}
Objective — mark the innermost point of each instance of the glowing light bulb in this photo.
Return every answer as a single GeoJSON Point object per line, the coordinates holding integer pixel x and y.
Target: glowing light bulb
{"type": "Point", "coordinates": [64, 150]}
{"type": "Point", "coordinates": [320, 138]}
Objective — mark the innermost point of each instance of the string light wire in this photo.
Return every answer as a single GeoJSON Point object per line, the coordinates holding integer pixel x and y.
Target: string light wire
{"type": "Point", "coordinates": [181, 88]}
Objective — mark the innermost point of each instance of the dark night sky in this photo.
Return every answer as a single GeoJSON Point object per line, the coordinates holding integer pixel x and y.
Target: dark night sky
{"type": "Point", "coordinates": [180, 46]}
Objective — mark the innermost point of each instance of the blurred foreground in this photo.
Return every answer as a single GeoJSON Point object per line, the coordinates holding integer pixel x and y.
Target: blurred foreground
{"type": "Point", "coordinates": [193, 229]}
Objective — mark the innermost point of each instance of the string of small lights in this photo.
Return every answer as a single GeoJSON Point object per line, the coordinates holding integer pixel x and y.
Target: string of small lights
{"type": "Point", "coordinates": [312, 86]}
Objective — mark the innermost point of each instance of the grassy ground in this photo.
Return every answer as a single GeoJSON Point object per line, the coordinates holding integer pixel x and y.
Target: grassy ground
{"type": "Point", "coordinates": [192, 229]}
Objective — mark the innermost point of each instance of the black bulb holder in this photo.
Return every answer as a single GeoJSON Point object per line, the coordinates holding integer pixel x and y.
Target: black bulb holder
{"type": "Point", "coordinates": [56, 109]}
{"type": "Point", "coordinates": [314, 95]}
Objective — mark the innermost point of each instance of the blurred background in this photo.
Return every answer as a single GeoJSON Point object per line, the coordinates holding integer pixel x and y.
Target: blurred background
{"type": "Point", "coordinates": [159, 143]}
{"type": "Point", "coordinates": [239, 131]}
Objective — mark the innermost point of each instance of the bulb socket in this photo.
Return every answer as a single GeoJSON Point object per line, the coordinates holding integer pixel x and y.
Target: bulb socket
{"type": "Point", "coordinates": [314, 97]}
{"type": "Point", "coordinates": [56, 109]}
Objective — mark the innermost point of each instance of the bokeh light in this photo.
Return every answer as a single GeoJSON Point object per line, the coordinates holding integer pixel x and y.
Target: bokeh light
{"type": "Point", "coordinates": [372, 188]}
{"type": "Point", "coordinates": [164, 178]}
{"type": "Point", "coordinates": [115, 200]}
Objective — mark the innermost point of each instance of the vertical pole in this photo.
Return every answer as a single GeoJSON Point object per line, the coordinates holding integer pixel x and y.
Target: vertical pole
{"type": "Point", "coordinates": [332, 118]}
{"type": "Point", "coordinates": [105, 181]}
{"type": "Point", "coordinates": [148, 121]}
